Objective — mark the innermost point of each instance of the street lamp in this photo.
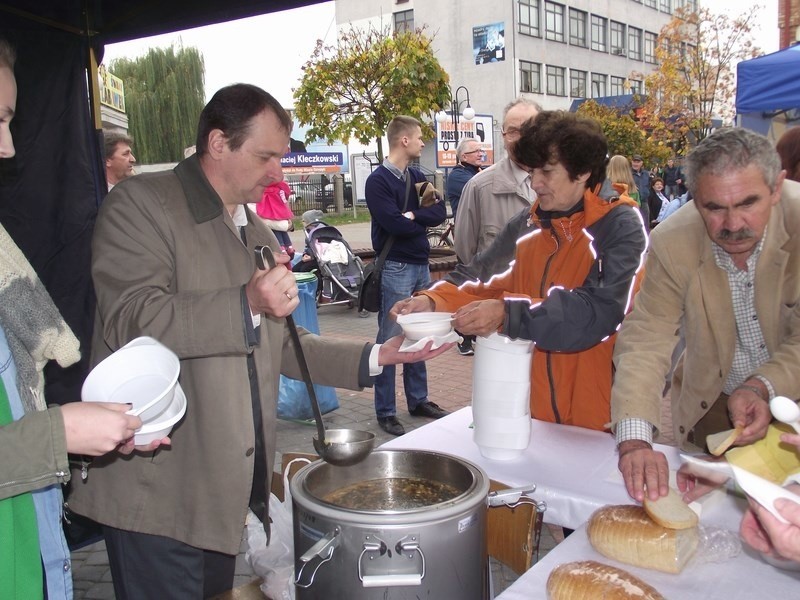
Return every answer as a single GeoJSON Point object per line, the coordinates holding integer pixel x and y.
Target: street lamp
{"type": "Point", "coordinates": [455, 107]}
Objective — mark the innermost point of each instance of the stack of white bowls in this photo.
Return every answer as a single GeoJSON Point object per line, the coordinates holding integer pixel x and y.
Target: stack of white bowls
{"type": "Point", "coordinates": [501, 384]}
{"type": "Point", "coordinates": [143, 373]}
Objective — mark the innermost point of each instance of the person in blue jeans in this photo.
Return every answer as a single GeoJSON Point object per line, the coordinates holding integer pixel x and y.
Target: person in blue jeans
{"type": "Point", "coordinates": [406, 268]}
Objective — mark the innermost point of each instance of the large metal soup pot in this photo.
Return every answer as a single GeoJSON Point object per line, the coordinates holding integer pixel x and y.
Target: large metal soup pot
{"type": "Point", "coordinates": [402, 524]}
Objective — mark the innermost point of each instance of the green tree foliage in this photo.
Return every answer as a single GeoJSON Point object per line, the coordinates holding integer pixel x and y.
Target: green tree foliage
{"type": "Point", "coordinates": [355, 88]}
{"type": "Point", "coordinates": [164, 94]}
{"type": "Point", "coordinates": [697, 54]}
{"type": "Point", "coordinates": [624, 134]}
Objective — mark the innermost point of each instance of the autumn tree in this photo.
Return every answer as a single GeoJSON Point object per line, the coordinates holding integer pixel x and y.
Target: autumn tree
{"type": "Point", "coordinates": [624, 134]}
{"type": "Point", "coordinates": [164, 95]}
{"type": "Point", "coordinates": [355, 88]}
{"type": "Point", "coordinates": [695, 83]}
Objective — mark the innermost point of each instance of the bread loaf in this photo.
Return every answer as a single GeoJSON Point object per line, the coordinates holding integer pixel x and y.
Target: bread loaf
{"type": "Point", "coordinates": [591, 580]}
{"type": "Point", "coordinates": [625, 533]}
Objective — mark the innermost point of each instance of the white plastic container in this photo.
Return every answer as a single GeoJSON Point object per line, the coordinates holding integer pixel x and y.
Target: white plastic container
{"type": "Point", "coordinates": [501, 383]}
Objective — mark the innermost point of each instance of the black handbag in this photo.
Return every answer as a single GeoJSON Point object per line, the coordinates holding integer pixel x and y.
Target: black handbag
{"type": "Point", "coordinates": [369, 293]}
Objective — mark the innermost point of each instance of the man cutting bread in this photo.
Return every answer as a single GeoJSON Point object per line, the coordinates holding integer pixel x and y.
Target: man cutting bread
{"type": "Point", "coordinates": [724, 273]}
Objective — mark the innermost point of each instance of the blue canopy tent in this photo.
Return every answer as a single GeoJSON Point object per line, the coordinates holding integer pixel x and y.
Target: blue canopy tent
{"type": "Point", "coordinates": [768, 92]}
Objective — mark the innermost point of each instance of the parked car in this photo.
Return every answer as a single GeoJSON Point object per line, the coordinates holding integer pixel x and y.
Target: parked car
{"type": "Point", "coordinates": [325, 197]}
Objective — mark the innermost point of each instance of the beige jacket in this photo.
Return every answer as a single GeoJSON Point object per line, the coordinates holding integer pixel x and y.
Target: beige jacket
{"type": "Point", "coordinates": [488, 202]}
{"type": "Point", "coordinates": [684, 286]}
{"type": "Point", "coordinates": [169, 262]}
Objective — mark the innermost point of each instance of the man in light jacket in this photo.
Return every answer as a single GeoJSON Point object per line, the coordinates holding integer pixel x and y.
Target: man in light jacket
{"type": "Point", "coordinates": [723, 270]}
{"type": "Point", "coordinates": [496, 194]}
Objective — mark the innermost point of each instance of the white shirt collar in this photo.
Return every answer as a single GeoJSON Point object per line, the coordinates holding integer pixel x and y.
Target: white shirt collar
{"type": "Point", "coordinates": [239, 215]}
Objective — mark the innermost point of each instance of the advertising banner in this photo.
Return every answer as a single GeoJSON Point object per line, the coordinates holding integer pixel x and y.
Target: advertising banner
{"type": "Point", "coordinates": [295, 163]}
{"type": "Point", "coordinates": [479, 128]}
{"type": "Point", "coordinates": [488, 43]}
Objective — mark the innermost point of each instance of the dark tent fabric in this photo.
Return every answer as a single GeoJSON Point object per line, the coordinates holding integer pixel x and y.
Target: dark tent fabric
{"type": "Point", "coordinates": [769, 83]}
{"type": "Point", "coordinates": [50, 192]}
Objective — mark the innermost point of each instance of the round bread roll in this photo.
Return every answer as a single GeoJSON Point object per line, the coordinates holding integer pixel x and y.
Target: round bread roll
{"type": "Point", "coordinates": [625, 533]}
{"type": "Point", "coordinates": [591, 580]}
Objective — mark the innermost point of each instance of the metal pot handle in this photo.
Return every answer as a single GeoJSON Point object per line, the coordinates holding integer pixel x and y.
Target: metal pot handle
{"type": "Point", "coordinates": [322, 550]}
{"type": "Point", "coordinates": [409, 544]}
{"type": "Point", "coordinates": [516, 497]}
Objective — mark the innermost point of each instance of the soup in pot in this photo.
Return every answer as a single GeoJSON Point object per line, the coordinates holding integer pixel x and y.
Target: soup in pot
{"type": "Point", "coordinates": [393, 493]}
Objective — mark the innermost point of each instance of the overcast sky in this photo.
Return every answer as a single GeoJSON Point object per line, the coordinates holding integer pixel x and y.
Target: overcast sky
{"type": "Point", "coordinates": [269, 50]}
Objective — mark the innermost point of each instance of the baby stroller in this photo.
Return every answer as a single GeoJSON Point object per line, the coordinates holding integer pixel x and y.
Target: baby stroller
{"type": "Point", "coordinates": [340, 272]}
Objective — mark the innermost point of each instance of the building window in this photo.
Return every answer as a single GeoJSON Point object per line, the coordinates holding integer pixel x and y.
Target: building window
{"type": "Point", "coordinates": [665, 6]}
{"type": "Point", "coordinates": [650, 41]}
{"type": "Point", "coordinates": [635, 43]}
{"type": "Point", "coordinates": [529, 18]}
{"type": "Point", "coordinates": [554, 21]}
{"type": "Point", "coordinates": [617, 86]}
{"type": "Point", "coordinates": [651, 4]}
{"type": "Point", "coordinates": [599, 85]}
{"type": "Point", "coordinates": [530, 77]}
{"type": "Point", "coordinates": [577, 28]}
{"type": "Point", "coordinates": [636, 86]}
{"type": "Point", "coordinates": [577, 83]}
{"type": "Point", "coordinates": [599, 33]}
{"type": "Point", "coordinates": [404, 21]}
{"type": "Point", "coordinates": [617, 38]}
{"type": "Point", "coordinates": [555, 81]}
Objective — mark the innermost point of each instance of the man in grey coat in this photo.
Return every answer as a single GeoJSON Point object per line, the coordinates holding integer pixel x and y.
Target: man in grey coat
{"type": "Point", "coordinates": [492, 197]}
{"type": "Point", "coordinates": [173, 259]}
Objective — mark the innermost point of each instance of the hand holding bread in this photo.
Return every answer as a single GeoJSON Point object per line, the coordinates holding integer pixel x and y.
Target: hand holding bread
{"type": "Point", "coordinates": [642, 467]}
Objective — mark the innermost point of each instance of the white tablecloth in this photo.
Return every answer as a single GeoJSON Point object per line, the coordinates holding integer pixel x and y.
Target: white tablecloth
{"type": "Point", "coordinates": [744, 577]}
{"type": "Point", "coordinates": [574, 469]}
{"type": "Point", "coordinates": [575, 472]}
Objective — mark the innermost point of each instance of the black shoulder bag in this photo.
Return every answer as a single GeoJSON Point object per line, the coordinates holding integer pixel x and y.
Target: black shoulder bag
{"type": "Point", "coordinates": [369, 294]}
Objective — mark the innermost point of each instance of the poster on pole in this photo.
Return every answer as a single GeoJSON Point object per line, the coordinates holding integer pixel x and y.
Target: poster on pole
{"type": "Point", "coordinates": [479, 129]}
{"type": "Point", "coordinates": [362, 165]}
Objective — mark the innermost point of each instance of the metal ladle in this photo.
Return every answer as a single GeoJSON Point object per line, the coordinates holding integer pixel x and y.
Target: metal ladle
{"type": "Point", "coordinates": [340, 447]}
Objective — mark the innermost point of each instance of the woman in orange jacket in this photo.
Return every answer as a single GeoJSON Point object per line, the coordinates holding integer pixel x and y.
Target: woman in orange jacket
{"type": "Point", "coordinates": [567, 280]}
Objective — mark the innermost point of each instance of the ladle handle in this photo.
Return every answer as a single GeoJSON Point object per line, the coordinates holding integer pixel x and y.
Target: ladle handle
{"type": "Point", "coordinates": [265, 259]}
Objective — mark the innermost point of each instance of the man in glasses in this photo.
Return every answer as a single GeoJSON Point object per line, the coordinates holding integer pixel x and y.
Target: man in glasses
{"type": "Point", "coordinates": [493, 196]}
{"type": "Point", "coordinates": [468, 155]}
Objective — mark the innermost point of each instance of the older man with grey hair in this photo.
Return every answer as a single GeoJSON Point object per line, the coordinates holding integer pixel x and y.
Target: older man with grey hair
{"type": "Point", "coordinates": [723, 270]}
{"type": "Point", "coordinates": [492, 197]}
{"type": "Point", "coordinates": [468, 156]}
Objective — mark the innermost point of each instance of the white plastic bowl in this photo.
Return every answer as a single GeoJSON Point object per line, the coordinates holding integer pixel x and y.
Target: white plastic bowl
{"type": "Point", "coordinates": [423, 324]}
{"type": "Point", "coordinates": [142, 373]}
{"type": "Point", "coordinates": [162, 425]}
